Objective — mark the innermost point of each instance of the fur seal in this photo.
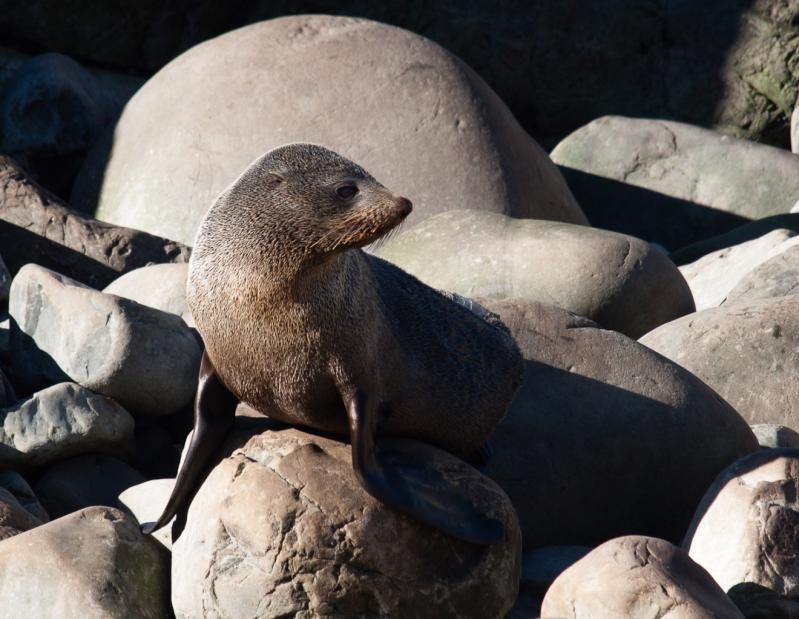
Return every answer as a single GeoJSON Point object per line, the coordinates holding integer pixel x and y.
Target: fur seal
{"type": "Point", "coordinates": [305, 327]}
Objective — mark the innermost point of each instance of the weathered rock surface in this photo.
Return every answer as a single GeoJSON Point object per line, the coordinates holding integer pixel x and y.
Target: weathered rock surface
{"type": "Point", "coordinates": [596, 420]}
{"type": "Point", "coordinates": [146, 502]}
{"type": "Point", "coordinates": [91, 564]}
{"type": "Point", "coordinates": [75, 483]}
{"type": "Point", "coordinates": [162, 286]}
{"type": "Point", "coordinates": [776, 277]}
{"type": "Point", "coordinates": [35, 226]}
{"type": "Point", "coordinates": [673, 183]}
{"type": "Point", "coordinates": [745, 528]}
{"type": "Point", "coordinates": [713, 276]}
{"type": "Point", "coordinates": [144, 358]}
{"type": "Point", "coordinates": [757, 602]}
{"type": "Point", "coordinates": [637, 577]}
{"type": "Point", "coordinates": [60, 421]}
{"type": "Point", "coordinates": [745, 351]}
{"type": "Point", "coordinates": [429, 127]}
{"type": "Point", "coordinates": [771, 435]}
{"type": "Point", "coordinates": [282, 528]}
{"type": "Point", "coordinates": [19, 508]}
{"type": "Point", "coordinates": [736, 236]}
{"type": "Point", "coordinates": [620, 281]}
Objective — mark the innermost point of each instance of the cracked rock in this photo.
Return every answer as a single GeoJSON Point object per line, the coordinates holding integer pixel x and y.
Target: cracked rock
{"type": "Point", "coordinates": [93, 564]}
{"type": "Point", "coordinates": [144, 358]}
{"type": "Point", "coordinates": [60, 421]}
{"type": "Point", "coordinates": [637, 577]}
{"type": "Point", "coordinates": [671, 182]}
{"type": "Point", "coordinates": [162, 286]}
{"type": "Point", "coordinates": [746, 528]}
{"type": "Point", "coordinates": [619, 281]}
{"type": "Point", "coordinates": [746, 351]}
{"type": "Point", "coordinates": [714, 276]}
{"type": "Point", "coordinates": [282, 528]}
{"type": "Point", "coordinates": [432, 130]}
{"type": "Point", "coordinates": [599, 417]}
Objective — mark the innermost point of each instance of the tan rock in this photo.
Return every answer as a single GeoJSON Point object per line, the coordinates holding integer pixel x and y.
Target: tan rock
{"type": "Point", "coordinates": [619, 281]}
{"type": "Point", "coordinates": [745, 527]}
{"type": "Point", "coordinates": [90, 564]}
{"type": "Point", "coordinates": [745, 351]}
{"type": "Point", "coordinates": [596, 420]}
{"type": "Point", "coordinates": [282, 528]}
{"type": "Point", "coordinates": [637, 577]}
{"type": "Point", "coordinates": [420, 120]}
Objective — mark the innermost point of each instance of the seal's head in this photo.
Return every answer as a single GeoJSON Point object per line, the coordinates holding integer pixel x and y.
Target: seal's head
{"type": "Point", "coordinates": [311, 201]}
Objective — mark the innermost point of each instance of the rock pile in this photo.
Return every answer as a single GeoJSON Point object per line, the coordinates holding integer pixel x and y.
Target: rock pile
{"type": "Point", "coordinates": [633, 478]}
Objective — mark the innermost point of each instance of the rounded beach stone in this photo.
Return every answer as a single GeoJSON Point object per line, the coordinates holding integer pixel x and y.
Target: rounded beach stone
{"type": "Point", "coordinates": [746, 528]}
{"type": "Point", "coordinates": [773, 436]}
{"type": "Point", "coordinates": [282, 528]}
{"type": "Point", "coordinates": [412, 114]}
{"type": "Point", "coordinates": [619, 281]}
{"type": "Point", "coordinates": [745, 351]}
{"type": "Point", "coordinates": [60, 421]}
{"type": "Point", "coordinates": [144, 358]}
{"type": "Point", "coordinates": [162, 286]}
{"type": "Point", "coordinates": [597, 421]}
{"type": "Point", "coordinates": [146, 501]}
{"type": "Point", "coordinates": [637, 577]}
{"type": "Point", "coordinates": [671, 182]}
{"type": "Point", "coordinates": [93, 564]}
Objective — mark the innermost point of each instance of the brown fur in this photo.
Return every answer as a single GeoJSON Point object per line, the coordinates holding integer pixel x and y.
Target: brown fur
{"type": "Point", "coordinates": [294, 316]}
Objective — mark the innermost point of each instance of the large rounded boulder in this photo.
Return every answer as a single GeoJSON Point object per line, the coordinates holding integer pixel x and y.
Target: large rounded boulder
{"type": "Point", "coordinates": [605, 437]}
{"type": "Point", "coordinates": [619, 281]}
{"type": "Point", "coordinates": [282, 528]}
{"type": "Point", "coordinates": [414, 115]}
{"type": "Point", "coordinates": [744, 350]}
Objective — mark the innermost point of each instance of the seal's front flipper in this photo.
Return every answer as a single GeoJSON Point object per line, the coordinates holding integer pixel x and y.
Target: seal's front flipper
{"type": "Point", "coordinates": [393, 473]}
{"type": "Point", "coordinates": [214, 413]}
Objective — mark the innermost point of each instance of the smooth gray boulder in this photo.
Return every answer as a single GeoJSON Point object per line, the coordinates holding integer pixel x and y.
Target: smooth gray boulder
{"type": "Point", "coordinates": [83, 481]}
{"type": "Point", "coordinates": [600, 426]}
{"type": "Point", "coordinates": [162, 286]}
{"type": "Point", "coordinates": [63, 420]}
{"type": "Point", "coordinates": [745, 351]}
{"type": "Point", "coordinates": [671, 182]}
{"type": "Point", "coordinates": [776, 277]}
{"type": "Point", "coordinates": [93, 564]}
{"type": "Point", "coordinates": [146, 502]}
{"type": "Point", "coordinates": [712, 277]}
{"type": "Point", "coordinates": [621, 282]}
{"type": "Point", "coordinates": [35, 226]}
{"type": "Point", "coordinates": [14, 483]}
{"type": "Point", "coordinates": [412, 114]}
{"type": "Point", "coordinates": [284, 513]}
{"type": "Point", "coordinates": [637, 577]}
{"type": "Point", "coordinates": [745, 527]}
{"type": "Point", "coordinates": [774, 436]}
{"type": "Point", "coordinates": [144, 358]}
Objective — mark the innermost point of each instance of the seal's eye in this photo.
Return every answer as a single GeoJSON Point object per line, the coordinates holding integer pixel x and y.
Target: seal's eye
{"type": "Point", "coordinates": [346, 192]}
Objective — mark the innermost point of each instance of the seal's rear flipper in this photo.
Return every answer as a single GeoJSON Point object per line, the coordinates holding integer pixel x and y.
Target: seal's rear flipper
{"type": "Point", "coordinates": [392, 473]}
{"type": "Point", "coordinates": [214, 413]}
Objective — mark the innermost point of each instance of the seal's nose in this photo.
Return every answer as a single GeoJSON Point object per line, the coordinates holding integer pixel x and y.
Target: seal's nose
{"type": "Point", "coordinates": [405, 206]}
